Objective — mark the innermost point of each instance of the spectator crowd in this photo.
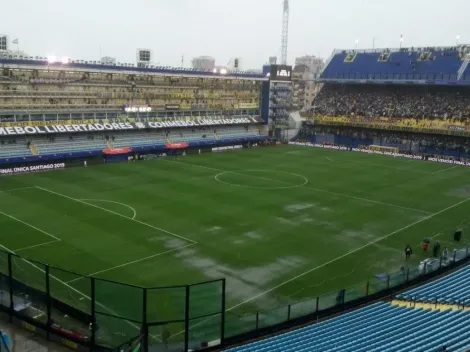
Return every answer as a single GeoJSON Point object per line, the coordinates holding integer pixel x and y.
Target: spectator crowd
{"type": "Point", "coordinates": [397, 101]}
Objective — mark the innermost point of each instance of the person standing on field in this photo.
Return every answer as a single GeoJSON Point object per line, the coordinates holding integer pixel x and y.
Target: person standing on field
{"type": "Point", "coordinates": [408, 252]}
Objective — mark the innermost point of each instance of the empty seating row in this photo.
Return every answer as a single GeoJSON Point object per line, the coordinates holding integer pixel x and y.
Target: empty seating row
{"type": "Point", "coordinates": [452, 288]}
{"type": "Point", "coordinates": [138, 139]}
{"type": "Point", "coordinates": [10, 148]}
{"type": "Point", "coordinates": [380, 327]}
{"type": "Point", "coordinates": [65, 144]}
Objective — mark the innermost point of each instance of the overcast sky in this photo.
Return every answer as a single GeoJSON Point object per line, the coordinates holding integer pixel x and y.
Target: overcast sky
{"type": "Point", "coordinates": [250, 29]}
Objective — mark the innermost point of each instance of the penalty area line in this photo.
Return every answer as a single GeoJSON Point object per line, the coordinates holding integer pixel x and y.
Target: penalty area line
{"type": "Point", "coordinates": [36, 245]}
{"type": "Point", "coordinates": [115, 213]}
{"type": "Point", "coordinates": [113, 202]}
{"type": "Point", "coordinates": [29, 225]}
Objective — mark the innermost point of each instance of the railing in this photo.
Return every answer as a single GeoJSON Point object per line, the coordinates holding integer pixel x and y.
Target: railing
{"type": "Point", "coordinates": [86, 312]}
{"type": "Point", "coordinates": [405, 49]}
{"type": "Point", "coordinates": [397, 76]}
{"type": "Point", "coordinates": [339, 300]}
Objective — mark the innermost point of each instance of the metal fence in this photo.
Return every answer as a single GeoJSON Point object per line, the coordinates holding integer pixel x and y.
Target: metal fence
{"type": "Point", "coordinates": [90, 313]}
{"type": "Point", "coordinates": [87, 313]}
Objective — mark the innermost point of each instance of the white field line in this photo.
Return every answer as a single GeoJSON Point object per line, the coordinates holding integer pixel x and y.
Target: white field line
{"type": "Point", "coordinates": [348, 253]}
{"type": "Point", "coordinates": [29, 225]}
{"type": "Point", "coordinates": [368, 200]}
{"type": "Point", "coordinates": [311, 188]}
{"type": "Point", "coordinates": [36, 245]}
{"type": "Point", "coordinates": [113, 212]}
{"type": "Point", "coordinates": [71, 287]}
{"type": "Point", "coordinates": [195, 165]}
{"type": "Point", "coordinates": [133, 262]}
{"type": "Point", "coordinates": [15, 189]}
{"type": "Point", "coordinates": [114, 202]}
{"type": "Point", "coordinates": [448, 168]}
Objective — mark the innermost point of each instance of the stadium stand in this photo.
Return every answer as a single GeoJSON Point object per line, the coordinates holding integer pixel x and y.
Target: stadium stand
{"type": "Point", "coordinates": [451, 289]}
{"type": "Point", "coordinates": [416, 100]}
{"type": "Point", "coordinates": [380, 327]}
{"type": "Point", "coordinates": [57, 144]}
{"type": "Point", "coordinates": [92, 93]}
{"type": "Point", "coordinates": [441, 63]}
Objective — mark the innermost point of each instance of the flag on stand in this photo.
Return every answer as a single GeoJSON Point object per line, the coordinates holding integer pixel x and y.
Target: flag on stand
{"type": "Point", "coordinates": [15, 41]}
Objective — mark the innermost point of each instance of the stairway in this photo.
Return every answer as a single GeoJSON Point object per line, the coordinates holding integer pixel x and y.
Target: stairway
{"type": "Point", "coordinates": [33, 148]}
{"type": "Point", "coordinates": [463, 67]}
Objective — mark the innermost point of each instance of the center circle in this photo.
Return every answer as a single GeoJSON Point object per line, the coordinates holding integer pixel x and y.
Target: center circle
{"type": "Point", "coordinates": [256, 178]}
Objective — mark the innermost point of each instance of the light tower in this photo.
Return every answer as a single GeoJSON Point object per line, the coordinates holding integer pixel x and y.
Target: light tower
{"type": "Point", "coordinates": [285, 32]}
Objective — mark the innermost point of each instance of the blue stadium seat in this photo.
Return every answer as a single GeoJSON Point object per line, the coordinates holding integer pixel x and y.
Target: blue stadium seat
{"type": "Point", "coordinates": [442, 64]}
{"type": "Point", "coordinates": [449, 289]}
{"type": "Point", "coordinates": [380, 327]}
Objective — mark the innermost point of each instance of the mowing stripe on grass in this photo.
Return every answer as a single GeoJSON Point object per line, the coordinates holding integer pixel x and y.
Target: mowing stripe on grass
{"type": "Point", "coordinates": [113, 212]}
{"type": "Point", "coordinates": [29, 225]}
{"type": "Point", "coordinates": [348, 253]}
{"type": "Point", "coordinates": [133, 262]}
{"type": "Point", "coordinates": [310, 188]}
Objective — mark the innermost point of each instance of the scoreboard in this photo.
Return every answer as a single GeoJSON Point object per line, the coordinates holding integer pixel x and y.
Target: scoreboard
{"type": "Point", "coordinates": [281, 73]}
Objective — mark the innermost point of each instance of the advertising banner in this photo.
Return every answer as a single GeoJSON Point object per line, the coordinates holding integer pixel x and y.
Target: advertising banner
{"type": "Point", "coordinates": [114, 151]}
{"type": "Point", "coordinates": [396, 155]}
{"type": "Point", "coordinates": [122, 126]}
{"type": "Point", "coordinates": [177, 145]}
{"type": "Point", "coordinates": [31, 168]}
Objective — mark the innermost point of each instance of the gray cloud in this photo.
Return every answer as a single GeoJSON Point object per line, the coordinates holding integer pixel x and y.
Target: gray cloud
{"type": "Point", "coordinates": [250, 29]}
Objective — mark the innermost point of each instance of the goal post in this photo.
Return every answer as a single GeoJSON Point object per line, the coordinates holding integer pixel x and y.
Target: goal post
{"type": "Point", "coordinates": [380, 148]}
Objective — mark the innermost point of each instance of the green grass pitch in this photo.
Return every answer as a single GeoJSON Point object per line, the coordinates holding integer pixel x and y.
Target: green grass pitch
{"type": "Point", "coordinates": [281, 224]}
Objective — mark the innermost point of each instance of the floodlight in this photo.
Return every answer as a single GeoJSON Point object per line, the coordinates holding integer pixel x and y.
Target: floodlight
{"type": "Point", "coordinates": [51, 59]}
{"type": "Point", "coordinates": [223, 71]}
{"type": "Point", "coordinates": [65, 60]}
{"type": "Point", "coordinates": [214, 70]}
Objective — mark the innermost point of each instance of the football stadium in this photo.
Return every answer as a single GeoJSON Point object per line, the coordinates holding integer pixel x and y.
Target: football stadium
{"type": "Point", "coordinates": [160, 208]}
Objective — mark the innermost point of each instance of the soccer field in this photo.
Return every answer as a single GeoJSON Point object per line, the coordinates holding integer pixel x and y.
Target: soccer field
{"type": "Point", "coordinates": [282, 224]}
